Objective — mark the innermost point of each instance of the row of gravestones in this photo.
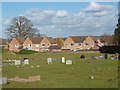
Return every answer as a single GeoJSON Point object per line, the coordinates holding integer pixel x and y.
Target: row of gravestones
{"type": "Point", "coordinates": [18, 62]}
{"type": "Point", "coordinates": [49, 61]}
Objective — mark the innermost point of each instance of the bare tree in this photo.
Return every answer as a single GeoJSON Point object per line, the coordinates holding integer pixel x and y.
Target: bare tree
{"type": "Point", "coordinates": [22, 27]}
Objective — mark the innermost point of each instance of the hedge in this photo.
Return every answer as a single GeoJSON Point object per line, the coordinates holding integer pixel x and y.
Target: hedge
{"type": "Point", "coordinates": [110, 49]}
{"type": "Point", "coordinates": [24, 51]}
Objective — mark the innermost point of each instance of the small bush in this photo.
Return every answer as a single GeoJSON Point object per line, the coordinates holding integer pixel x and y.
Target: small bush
{"type": "Point", "coordinates": [24, 51]}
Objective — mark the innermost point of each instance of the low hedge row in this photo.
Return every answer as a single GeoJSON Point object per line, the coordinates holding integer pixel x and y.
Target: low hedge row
{"type": "Point", "coordinates": [110, 49]}
{"type": "Point", "coordinates": [24, 51]}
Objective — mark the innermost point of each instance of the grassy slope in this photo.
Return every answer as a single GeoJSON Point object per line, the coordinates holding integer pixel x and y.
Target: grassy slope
{"type": "Point", "coordinates": [59, 75]}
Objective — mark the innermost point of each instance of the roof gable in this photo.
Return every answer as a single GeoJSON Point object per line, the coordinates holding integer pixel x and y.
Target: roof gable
{"type": "Point", "coordinates": [51, 40]}
{"type": "Point", "coordinates": [78, 39]}
{"type": "Point", "coordinates": [20, 40]}
{"type": "Point", "coordinates": [36, 40]}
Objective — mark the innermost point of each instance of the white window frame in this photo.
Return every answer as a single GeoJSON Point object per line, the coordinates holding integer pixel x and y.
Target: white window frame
{"type": "Point", "coordinates": [29, 45]}
{"type": "Point", "coordinates": [16, 45]}
{"type": "Point", "coordinates": [37, 45]}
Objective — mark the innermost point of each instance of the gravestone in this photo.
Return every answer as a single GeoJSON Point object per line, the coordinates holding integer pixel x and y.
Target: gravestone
{"type": "Point", "coordinates": [68, 62]}
{"type": "Point", "coordinates": [17, 62]}
{"type": "Point", "coordinates": [63, 59]}
{"type": "Point", "coordinates": [3, 80]}
{"type": "Point", "coordinates": [82, 57]}
{"type": "Point", "coordinates": [106, 56]}
{"type": "Point", "coordinates": [93, 57]}
{"type": "Point", "coordinates": [26, 61]}
{"type": "Point", "coordinates": [49, 61]}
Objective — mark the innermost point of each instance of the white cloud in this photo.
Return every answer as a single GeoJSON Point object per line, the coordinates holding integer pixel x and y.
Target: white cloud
{"type": "Point", "coordinates": [60, 23]}
{"type": "Point", "coordinates": [99, 10]}
{"type": "Point", "coordinates": [61, 13]}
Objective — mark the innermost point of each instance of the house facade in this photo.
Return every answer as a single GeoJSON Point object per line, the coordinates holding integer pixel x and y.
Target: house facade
{"type": "Point", "coordinates": [46, 43]}
{"type": "Point", "coordinates": [106, 40]}
{"type": "Point", "coordinates": [4, 44]}
{"type": "Point", "coordinates": [81, 42]}
{"type": "Point", "coordinates": [16, 44]}
{"type": "Point", "coordinates": [32, 43]}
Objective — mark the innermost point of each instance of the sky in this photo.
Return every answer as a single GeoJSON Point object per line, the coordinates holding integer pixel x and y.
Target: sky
{"type": "Point", "coordinates": [63, 19]}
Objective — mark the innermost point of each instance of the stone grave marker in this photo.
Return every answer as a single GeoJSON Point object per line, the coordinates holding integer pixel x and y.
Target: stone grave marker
{"type": "Point", "coordinates": [49, 61]}
{"type": "Point", "coordinates": [26, 61]}
{"type": "Point", "coordinates": [63, 59]}
{"type": "Point", "coordinates": [93, 57]}
{"type": "Point", "coordinates": [106, 56]}
{"type": "Point", "coordinates": [68, 62]}
{"type": "Point", "coordinates": [3, 80]}
{"type": "Point", "coordinates": [34, 78]}
{"type": "Point", "coordinates": [17, 62]}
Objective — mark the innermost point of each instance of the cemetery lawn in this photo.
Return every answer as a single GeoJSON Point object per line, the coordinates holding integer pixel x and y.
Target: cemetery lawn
{"type": "Point", "coordinates": [58, 75]}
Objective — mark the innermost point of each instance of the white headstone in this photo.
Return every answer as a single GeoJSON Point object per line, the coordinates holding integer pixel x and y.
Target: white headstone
{"type": "Point", "coordinates": [26, 61]}
{"type": "Point", "coordinates": [49, 61]}
{"type": "Point", "coordinates": [63, 59]}
{"type": "Point", "coordinates": [68, 62]}
{"type": "Point", "coordinates": [17, 62]}
{"type": "Point", "coordinates": [3, 80]}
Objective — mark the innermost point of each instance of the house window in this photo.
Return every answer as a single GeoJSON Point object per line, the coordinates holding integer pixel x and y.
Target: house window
{"type": "Point", "coordinates": [30, 45]}
{"type": "Point", "coordinates": [71, 44]}
{"type": "Point", "coordinates": [37, 45]}
{"type": "Point", "coordinates": [42, 44]}
{"type": "Point", "coordinates": [66, 44]}
{"type": "Point", "coordinates": [91, 43]}
{"type": "Point", "coordinates": [86, 44]}
{"type": "Point", "coordinates": [47, 44]}
{"type": "Point", "coordinates": [96, 42]}
{"type": "Point", "coordinates": [11, 45]}
{"type": "Point", "coordinates": [80, 44]}
{"type": "Point", "coordinates": [16, 45]}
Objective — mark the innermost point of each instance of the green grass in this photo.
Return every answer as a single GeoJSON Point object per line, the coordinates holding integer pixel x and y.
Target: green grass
{"type": "Point", "coordinates": [58, 75]}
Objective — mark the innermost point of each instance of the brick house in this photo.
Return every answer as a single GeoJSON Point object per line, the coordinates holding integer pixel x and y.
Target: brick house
{"type": "Point", "coordinates": [46, 43]}
{"type": "Point", "coordinates": [81, 42]}
{"type": "Point", "coordinates": [4, 44]}
{"type": "Point", "coordinates": [16, 44]}
{"type": "Point", "coordinates": [106, 40]}
{"type": "Point", "coordinates": [91, 42]}
{"type": "Point", "coordinates": [32, 43]}
{"type": "Point", "coordinates": [74, 42]}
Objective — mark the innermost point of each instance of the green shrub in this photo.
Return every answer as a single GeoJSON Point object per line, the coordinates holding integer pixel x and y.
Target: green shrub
{"type": "Point", "coordinates": [110, 49]}
{"type": "Point", "coordinates": [24, 51]}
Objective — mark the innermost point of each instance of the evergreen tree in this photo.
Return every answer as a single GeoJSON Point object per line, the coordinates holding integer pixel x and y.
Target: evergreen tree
{"type": "Point", "coordinates": [117, 34]}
